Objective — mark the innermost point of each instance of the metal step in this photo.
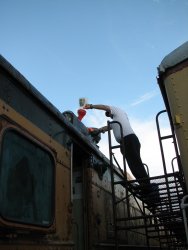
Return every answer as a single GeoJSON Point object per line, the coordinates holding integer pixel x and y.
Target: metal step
{"type": "Point", "coordinates": [111, 246]}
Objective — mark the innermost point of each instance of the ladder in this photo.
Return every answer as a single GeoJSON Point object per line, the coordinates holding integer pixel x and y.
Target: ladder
{"type": "Point", "coordinates": [113, 182]}
{"type": "Point", "coordinates": [125, 183]}
{"type": "Point", "coordinates": [165, 222]}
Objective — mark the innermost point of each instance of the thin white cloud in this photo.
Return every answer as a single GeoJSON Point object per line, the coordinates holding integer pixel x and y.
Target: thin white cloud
{"type": "Point", "coordinates": [150, 45]}
{"type": "Point", "coordinates": [144, 98]}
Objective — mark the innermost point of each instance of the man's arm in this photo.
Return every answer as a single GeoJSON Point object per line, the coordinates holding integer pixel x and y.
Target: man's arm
{"type": "Point", "coordinates": [97, 106]}
{"type": "Point", "coordinates": [103, 129]}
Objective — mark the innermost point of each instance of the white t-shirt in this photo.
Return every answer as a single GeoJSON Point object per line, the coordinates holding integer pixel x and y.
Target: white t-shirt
{"type": "Point", "coordinates": [120, 116]}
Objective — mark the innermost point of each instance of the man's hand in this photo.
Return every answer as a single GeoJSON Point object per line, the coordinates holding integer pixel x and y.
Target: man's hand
{"type": "Point", "coordinates": [94, 131]}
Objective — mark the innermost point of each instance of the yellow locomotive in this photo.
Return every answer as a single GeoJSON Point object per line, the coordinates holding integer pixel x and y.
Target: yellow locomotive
{"type": "Point", "coordinates": [56, 189]}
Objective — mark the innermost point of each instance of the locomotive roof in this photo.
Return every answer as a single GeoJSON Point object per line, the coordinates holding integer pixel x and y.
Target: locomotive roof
{"type": "Point", "coordinates": [177, 56]}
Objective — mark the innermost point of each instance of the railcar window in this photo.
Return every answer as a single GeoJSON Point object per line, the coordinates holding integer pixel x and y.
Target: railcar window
{"type": "Point", "coordinates": [26, 181]}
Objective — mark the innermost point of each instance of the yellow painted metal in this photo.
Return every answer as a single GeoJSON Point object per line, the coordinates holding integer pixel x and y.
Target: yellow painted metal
{"type": "Point", "coordinates": [60, 234]}
{"type": "Point", "coordinates": [62, 154]}
{"type": "Point", "coordinates": [176, 85]}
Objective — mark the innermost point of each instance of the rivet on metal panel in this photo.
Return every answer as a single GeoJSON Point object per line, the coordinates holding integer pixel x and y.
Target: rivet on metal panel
{"type": "Point", "coordinates": [177, 119]}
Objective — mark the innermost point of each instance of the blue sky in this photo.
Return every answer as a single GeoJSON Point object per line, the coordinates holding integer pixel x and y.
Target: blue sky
{"type": "Point", "coordinates": [105, 50]}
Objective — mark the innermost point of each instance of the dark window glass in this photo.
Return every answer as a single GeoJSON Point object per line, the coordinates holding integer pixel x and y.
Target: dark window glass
{"type": "Point", "coordinates": [26, 181]}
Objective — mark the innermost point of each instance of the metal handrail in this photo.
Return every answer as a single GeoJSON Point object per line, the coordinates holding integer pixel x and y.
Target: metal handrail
{"type": "Point", "coordinates": [184, 206]}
